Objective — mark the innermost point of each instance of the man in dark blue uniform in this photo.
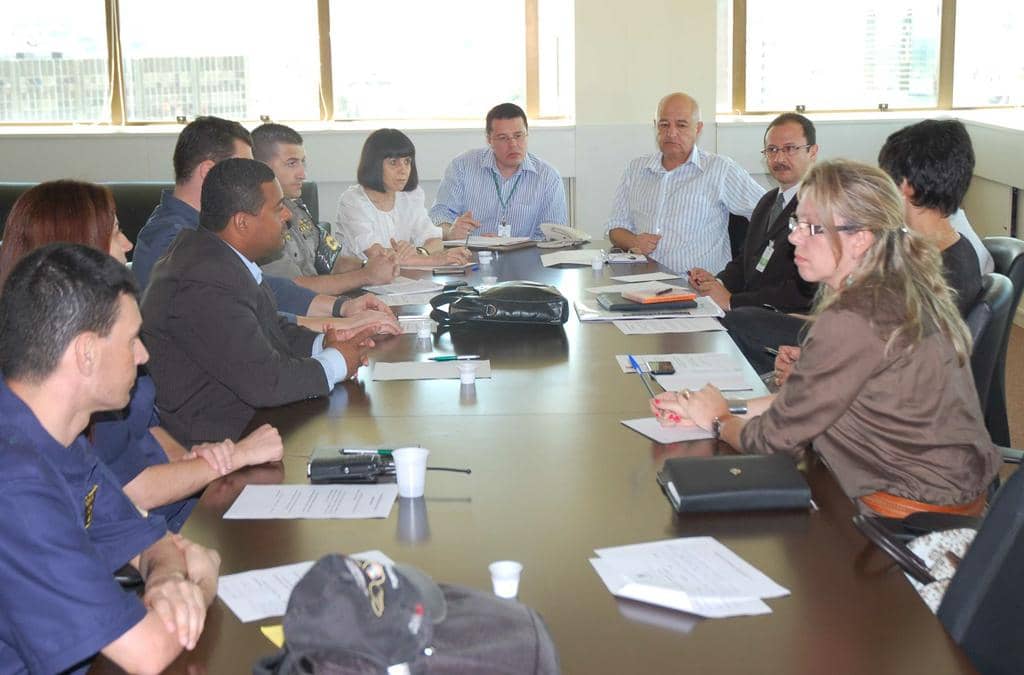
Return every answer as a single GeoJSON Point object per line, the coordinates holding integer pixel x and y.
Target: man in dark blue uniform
{"type": "Point", "coordinates": [69, 347]}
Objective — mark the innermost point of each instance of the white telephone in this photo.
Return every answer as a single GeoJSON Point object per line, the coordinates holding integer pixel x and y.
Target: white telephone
{"type": "Point", "coordinates": [561, 236]}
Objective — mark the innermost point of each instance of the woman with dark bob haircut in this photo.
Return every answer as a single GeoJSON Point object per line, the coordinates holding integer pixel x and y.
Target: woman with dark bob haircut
{"type": "Point", "coordinates": [386, 210]}
{"type": "Point", "coordinates": [156, 472]}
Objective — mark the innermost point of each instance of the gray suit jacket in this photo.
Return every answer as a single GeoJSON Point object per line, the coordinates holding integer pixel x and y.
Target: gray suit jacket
{"type": "Point", "coordinates": [218, 349]}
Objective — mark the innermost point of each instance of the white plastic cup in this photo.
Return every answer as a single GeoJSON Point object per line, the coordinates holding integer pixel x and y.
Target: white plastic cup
{"type": "Point", "coordinates": [490, 280]}
{"type": "Point", "coordinates": [485, 257]}
{"type": "Point", "coordinates": [505, 577]}
{"type": "Point", "coordinates": [597, 262]}
{"type": "Point", "coordinates": [467, 371]}
{"type": "Point", "coordinates": [410, 471]}
{"type": "Point", "coordinates": [423, 330]}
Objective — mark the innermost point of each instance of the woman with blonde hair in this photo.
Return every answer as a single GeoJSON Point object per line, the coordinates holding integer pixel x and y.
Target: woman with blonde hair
{"type": "Point", "coordinates": [883, 388]}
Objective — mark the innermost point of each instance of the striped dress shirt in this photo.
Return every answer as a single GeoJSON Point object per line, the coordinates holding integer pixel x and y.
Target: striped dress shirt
{"type": "Point", "coordinates": [688, 206]}
{"type": "Point", "coordinates": [534, 194]}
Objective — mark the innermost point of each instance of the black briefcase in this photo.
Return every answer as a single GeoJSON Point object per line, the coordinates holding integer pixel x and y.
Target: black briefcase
{"type": "Point", "coordinates": [733, 483]}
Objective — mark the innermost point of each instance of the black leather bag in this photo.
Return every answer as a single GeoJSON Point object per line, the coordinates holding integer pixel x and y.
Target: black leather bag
{"type": "Point", "coordinates": [515, 302]}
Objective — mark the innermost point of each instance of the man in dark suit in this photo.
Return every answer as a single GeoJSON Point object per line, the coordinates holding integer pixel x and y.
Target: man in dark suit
{"type": "Point", "coordinates": [764, 273]}
{"type": "Point", "coordinates": [218, 348]}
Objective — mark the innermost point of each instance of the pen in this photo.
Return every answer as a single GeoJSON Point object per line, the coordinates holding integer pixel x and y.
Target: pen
{"type": "Point", "coordinates": [384, 452]}
{"type": "Point", "coordinates": [640, 372]}
{"type": "Point", "coordinates": [664, 291]}
{"type": "Point", "coordinates": [453, 357]}
{"type": "Point", "coordinates": [771, 350]}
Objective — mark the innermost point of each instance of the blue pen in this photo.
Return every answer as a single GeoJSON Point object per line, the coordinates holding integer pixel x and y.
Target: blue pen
{"type": "Point", "coordinates": [640, 372]}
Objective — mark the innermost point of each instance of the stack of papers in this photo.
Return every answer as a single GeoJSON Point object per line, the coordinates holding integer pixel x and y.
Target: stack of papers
{"type": "Point", "coordinates": [260, 502]}
{"type": "Point", "coordinates": [626, 258]}
{"type": "Point", "coordinates": [591, 311]}
{"type": "Point", "coordinates": [696, 574]}
{"type": "Point", "coordinates": [656, 326]}
{"type": "Point", "coordinates": [405, 285]}
{"type": "Point", "coordinates": [426, 370]}
{"type": "Point", "coordinates": [583, 256]}
{"type": "Point", "coordinates": [259, 594]}
{"type": "Point", "coordinates": [693, 371]}
{"type": "Point", "coordinates": [491, 243]}
{"type": "Point", "coordinates": [432, 266]}
{"type": "Point", "coordinates": [650, 276]}
{"type": "Point", "coordinates": [653, 286]}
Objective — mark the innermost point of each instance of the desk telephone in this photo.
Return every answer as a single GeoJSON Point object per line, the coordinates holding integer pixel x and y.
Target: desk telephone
{"type": "Point", "coordinates": [561, 236]}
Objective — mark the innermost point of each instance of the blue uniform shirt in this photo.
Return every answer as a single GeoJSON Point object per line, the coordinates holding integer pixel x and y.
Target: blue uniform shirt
{"type": "Point", "coordinates": [66, 528]}
{"type": "Point", "coordinates": [172, 216]}
{"type": "Point", "coordinates": [123, 441]}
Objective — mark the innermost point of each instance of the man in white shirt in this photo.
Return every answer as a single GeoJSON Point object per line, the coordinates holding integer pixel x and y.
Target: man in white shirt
{"type": "Point", "coordinates": [674, 205]}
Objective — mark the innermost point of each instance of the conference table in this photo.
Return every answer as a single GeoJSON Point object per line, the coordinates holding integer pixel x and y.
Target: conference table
{"type": "Point", "coordinates": [556, 475]}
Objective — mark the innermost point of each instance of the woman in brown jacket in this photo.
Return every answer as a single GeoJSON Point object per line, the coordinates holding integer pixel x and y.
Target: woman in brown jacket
{"type": "Point", "coordinates": [883, 388]}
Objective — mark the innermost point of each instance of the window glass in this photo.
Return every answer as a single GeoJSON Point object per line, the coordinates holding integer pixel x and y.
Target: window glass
{"type": "Point", "coordinates": [988, 68]}
{"type": "Point", "coordinates": [849, 55]}
{"type": "Point", "coordinates": [204, 57]}
{"type": "Point", "coordinates": [411, 59]}
{"type": "Point", "coordinates": [53, 62]}
{"type": "Point", "coordinates": [557, 58]}
{"type": "Point", "coordinates": [723, 83]}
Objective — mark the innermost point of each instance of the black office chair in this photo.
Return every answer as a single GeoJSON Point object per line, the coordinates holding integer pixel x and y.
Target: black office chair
{"type": "Point", "coordinates": [989, 323]}
{"type": "Point", "coordinates": [1008, 254]}
{"type": "Point", "coordinates": [983, 603]}
{"type": "Point", "coordinates": [737, 233]}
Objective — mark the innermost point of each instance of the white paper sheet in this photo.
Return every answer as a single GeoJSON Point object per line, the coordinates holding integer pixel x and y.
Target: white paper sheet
{"type": "Point", "coordinates": [405, 285]}
{"type": "Point", "coordinates": [259, 502]}
{"type": "Point", "coordinates": [657, 326]}
{"type": "Point", "coordinates": [650, 276]}
{"type": "Point", "coordinates": [695, 574]}
{"type": "Point", "coordinates": [589, 310]}
{"type": "Point", "coordinates": [578, 257]}
{"type": "Point", "coordinates": [411, 324]}
{"type": "Point", "coordinates": [427, 267]}
{"type": "Point", "coordinates": [479, 241]}
{"type": "Point", "coordinates": [425, 370]}
{"type": "Point", "coordinates": [396, 299]}
{"type": "Point", "coordinates": [260, 594]}
{"type": "Point", "coordinates": [693, 371]}
{"type": "Point", "coordinates": [626, 258]}
{"type": "Point", "coordinates": [652, 429]}
{"type": "Point", "coordinates": [645, 286]}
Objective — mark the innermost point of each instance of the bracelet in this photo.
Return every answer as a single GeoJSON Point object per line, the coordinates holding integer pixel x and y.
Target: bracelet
{"type": "Point", "coordinates": [737, 406]}
{"type": "Point", "coordinates": [338, 302]}
{"type": "Point", "coordinates": [716, 424]}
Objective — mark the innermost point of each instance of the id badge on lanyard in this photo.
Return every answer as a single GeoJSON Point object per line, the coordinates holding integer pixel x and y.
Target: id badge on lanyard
{"type": "Point", "coordinates": [765, 256]}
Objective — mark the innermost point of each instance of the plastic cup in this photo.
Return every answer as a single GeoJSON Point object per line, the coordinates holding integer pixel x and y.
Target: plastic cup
{"type": "Point", "coordinates": [505, 577]}
{"type": "Point", "coordinates": [410, 471]}
{"type": "Point", "coordinates": [490, 280]}
{"type": "Point", "coordinates": [467, 371]}
{"type": "Point", "coordinates": [597, 262]}
{"type": "Point", "coordinates": [485, 257]}
{"type": "Point", "coordinates": [423, 330]}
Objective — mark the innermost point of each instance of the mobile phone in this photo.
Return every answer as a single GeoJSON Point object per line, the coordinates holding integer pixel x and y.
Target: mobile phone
{"type": "Point", "coordinates": [661, 367]}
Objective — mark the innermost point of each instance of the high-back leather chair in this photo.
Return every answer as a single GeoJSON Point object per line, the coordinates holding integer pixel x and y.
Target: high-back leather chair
{"type": "Point", "coordinates": [989, 321]}
{"type": "Point", "coordinates": [1008, 254]}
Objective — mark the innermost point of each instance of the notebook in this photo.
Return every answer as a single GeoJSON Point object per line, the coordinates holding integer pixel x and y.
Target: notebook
{"type": "Point", "coordinates": [614, 302]}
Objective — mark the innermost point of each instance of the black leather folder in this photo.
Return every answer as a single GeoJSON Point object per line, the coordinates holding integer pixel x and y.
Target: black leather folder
{"type": "Point", "coordinates": [733, 483]}
{"type": "Point", "coordinates": [614, 302]}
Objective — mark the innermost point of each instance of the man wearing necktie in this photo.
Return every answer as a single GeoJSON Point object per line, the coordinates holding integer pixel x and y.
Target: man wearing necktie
{"type": "Point", "coordinates": [763, 273]}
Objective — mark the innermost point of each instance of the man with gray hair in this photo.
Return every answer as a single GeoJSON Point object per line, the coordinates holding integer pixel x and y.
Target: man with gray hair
{"type": "Point", "coordinates": [674, 205]}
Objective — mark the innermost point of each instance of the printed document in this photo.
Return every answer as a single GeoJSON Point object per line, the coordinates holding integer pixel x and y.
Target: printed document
{"type": "Point", "coordinates": [259, 502]}
{"type": "Point", "coordinates": [694, 574]}
{"type": "Point", "coordinates": [480, 241]}
{"type": "Point", "coordinates": [405, 285]}
{"type": "Point", "coordinates": [589, 310]}
{"type": "Point", "coordinates": [652, 429]}
{"type": "Point", "coordinates": [579, 257]}
{"type": "Point", "coordinates": [693, 371]}
{"type": "Point", "coordinates": [395, 299]}
{"type": "Point", "coordinates": [259, 594]}
{"type": "Point", "coordinates": [650, 276]}
{"type": "Point", "coordinates": [656, 326]}
{"type": "Point", "coordinates": [645, 286]}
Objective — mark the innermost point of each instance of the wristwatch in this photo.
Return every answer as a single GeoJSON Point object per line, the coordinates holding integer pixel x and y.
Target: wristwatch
{"type": "Point", "coordinates": [716, 424]}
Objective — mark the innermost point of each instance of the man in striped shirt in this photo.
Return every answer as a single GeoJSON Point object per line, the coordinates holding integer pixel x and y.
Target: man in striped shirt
{"type": "Point", "coordinates": [674, 205]}
{"type": "Point", "coordinates": [502, 189]}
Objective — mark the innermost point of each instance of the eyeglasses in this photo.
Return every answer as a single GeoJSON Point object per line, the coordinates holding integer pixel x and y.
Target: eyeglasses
{"type": "Point", "coordinates": [772, 150]}
{"type": "Point", "coordinates": [814, 229]}
{"type": "Point", "coordinates": [505, 139]}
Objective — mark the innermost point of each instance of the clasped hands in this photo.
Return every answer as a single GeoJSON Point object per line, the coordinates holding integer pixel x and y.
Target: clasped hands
{"type": "Point", "coordinates": [690, 408]}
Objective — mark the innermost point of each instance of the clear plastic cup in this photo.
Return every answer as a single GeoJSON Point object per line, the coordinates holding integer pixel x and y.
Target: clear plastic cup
{"type": "Point", "coordinates": [505, 577]}
{"type": "Point", "coordinates": [467, 371]}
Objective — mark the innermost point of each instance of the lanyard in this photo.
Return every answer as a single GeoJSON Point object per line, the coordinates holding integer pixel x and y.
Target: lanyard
{"type": "Point", "coordinates": [504, 204]}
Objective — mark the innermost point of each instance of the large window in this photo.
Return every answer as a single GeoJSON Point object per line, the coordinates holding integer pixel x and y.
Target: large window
{"type": "Point", "coordinates": [870, 54]}
{"type": "Point", "coordinates": [53, 62]}
{"type": "Point", "coordinates": [989, 65]}
{"type": "Point", "coordinates": [296, 60]}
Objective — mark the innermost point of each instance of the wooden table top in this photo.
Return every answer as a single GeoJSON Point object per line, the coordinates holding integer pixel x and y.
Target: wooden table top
{"type": "Point", "coordinates": [555, 475]}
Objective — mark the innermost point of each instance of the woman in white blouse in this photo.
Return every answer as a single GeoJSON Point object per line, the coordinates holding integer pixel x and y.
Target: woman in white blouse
{"type": "Point", "coordinates": [386, 210]}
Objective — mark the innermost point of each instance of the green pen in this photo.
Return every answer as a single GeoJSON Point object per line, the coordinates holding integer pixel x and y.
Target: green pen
{"type": "Point", "coordinates": [452, 357]}
{"type": "Point", "coordinates": [384, 452]}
